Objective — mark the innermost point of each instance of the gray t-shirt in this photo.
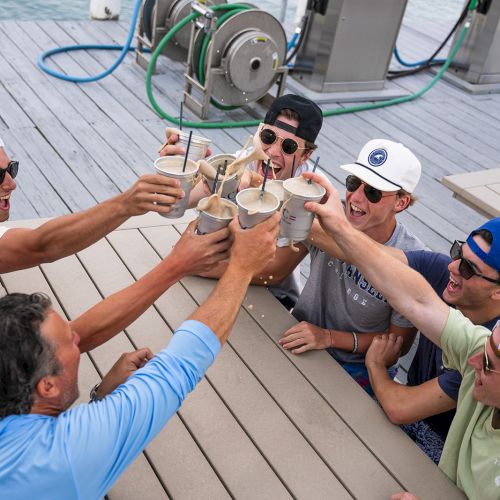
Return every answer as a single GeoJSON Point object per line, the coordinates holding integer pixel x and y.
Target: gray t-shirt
{"type": "Point", "coordinates": [336, 295]}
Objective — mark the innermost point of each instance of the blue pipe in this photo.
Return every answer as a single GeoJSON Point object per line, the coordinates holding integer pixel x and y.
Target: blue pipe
{"type": "Point", "coordinates": [69, 48]}
{"type": "Point", "coordinates": [415, 64]}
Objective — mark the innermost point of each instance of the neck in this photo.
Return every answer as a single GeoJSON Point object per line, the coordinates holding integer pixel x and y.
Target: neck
{"type": "Point", "coordinates": [382, 234]}
{"type": "Point", "coordinates": [45, 408]}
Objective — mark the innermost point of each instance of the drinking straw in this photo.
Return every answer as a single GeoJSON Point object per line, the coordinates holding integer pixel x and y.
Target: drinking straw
{"type": "Point", "coordinates": [180, 115]}
{"type": "Point", "coordinates": [187, 151]}
{"type": "Point", "coordinates": [293, 167]}
{"type": "Point", "coordinates": [314, 169]}
{"type": "Point", "coordinates": [216, 179]}
{"type": "Point", "coordinates": [261, 194]}
{"type": "Point", "coordinates": [225, 167]}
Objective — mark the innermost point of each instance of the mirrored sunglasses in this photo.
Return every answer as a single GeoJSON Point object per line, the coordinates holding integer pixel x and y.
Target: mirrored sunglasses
{"type": "Point", "coordinates": [486, 360]}
{"type": "Point", "coordinates": [289, 146]}
{"type": "Point", "coordinates": [466, 268]}
{"type": "Point", "coordinates": [12, 169]}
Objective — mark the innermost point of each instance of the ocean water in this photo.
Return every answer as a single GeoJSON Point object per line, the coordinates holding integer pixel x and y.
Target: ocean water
{"type": "Point", "coordinates": [417, 10]}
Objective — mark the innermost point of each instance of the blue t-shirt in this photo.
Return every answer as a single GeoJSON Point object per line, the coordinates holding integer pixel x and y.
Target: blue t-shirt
{"type": "Point", "coordinates": [427, 363]}
{"type": "Point", "coordinates": [82, 452]}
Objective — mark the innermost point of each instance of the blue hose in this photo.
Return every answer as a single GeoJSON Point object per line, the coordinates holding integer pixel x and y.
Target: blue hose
{"type": "Point", "coordinates": [80, 79]}
{"type": "Point", "coordinates": [415, 64]}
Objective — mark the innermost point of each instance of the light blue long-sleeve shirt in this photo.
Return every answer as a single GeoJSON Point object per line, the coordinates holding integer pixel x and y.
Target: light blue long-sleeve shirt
{"type": "Point", "coordinates": [83, 451]}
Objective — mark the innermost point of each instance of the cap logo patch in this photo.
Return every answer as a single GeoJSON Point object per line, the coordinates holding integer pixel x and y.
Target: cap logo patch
{"type": "Point", "coordinates": [377, 157]}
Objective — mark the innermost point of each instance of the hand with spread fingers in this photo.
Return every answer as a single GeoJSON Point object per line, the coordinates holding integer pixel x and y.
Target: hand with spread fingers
{"type": "Point", "coordinates": [304, 337]}
{"type": "Point", "coordinates": [150, 193]}
{"type": "Point", "coordinates": [198, 253]}
{"type": "Point", "coordinates": [127, 364]}
{"type": "Point", "coordinates": [384, 350]}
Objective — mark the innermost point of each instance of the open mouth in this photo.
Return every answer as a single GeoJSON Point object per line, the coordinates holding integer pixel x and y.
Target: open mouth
{"type": "Point", "coordinates": [355, 211]}
{"type": "Point", "coordinates": [4, 202]}
{"type": "Point", "coordinates": [453, 286]}
{"type": "Point", "coordinates": [274, 170]}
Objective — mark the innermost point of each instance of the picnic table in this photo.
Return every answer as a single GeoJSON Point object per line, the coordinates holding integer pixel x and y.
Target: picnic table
{"type": "Point", "coordinates": [263, 423]}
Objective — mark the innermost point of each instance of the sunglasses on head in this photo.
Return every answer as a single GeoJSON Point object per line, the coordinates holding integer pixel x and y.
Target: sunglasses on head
{"type": "Point", "coordinates": [11, 168]}
{"type": "Point", "coordinates": [486, 359]}
{"type": "Point", "coordinates": [373, 195]}
{"type": "Point", "coordinates": [466, 268]}
{"type": "Point", "coordinates": [268, 137]}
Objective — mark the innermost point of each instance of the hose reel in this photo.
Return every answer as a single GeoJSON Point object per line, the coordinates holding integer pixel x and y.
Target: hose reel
{"type": "Point", "coordinates": [234, 53]}
{"type": "Point", "coordinates": [156, 18]}
{"type": "Point", "coordinates": [236, 61]}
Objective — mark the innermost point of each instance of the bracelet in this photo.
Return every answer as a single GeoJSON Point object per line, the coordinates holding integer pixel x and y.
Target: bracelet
{"type": "Point", "coordinates": [93, 394]}
{"type": "Point", "coordinates": [355, 348]}
{"type": "Point", "coordinates": [331, 337]}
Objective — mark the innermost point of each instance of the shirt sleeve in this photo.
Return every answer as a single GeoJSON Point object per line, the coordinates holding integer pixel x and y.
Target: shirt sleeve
{"type": "Point", "coordinates": [103, 438]}
{"type": "Point", "coordinates": [3, 230]}
{"type": "Point", "coordinates": [449, 381]}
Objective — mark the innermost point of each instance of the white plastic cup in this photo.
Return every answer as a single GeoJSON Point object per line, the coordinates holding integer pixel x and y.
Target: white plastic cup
{"type": "Point", "coordinates": [275, 186]}
{"type": "Point", "coordinates": [198, 147]}
{"type": "Point", "coordinates": [231, 184]}
{"type": "Point", "coordinates": [252, 209]}
{"type": "Point", "coordinates": [171, 166]}
{"type": "Point", "coordinates": [208, 222]}
{"type": "Point", "coordinates": [296, 221]}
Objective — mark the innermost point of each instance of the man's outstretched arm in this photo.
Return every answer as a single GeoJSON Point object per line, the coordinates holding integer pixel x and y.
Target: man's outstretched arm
{"type": "Point", "coordinates": [401, 403]}
{"type": "Point", "coordinates": [63, 236]}
{"type": "Point", "coordinates": [406, 290]}
{"type": "Point", "coordinates": [192, 253]}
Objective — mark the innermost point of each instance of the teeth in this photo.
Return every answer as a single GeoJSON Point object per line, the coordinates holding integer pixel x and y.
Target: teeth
{"type": "Point", "coordinates": [356, 209]}
{"type": "Point", "coordinates": [6, 197]}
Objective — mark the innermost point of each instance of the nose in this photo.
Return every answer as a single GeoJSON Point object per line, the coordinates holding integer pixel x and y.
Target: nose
{"type": "Point", "coordinates": [476, 361]}
{"type": "Point", "coordinates": [453, 267]}
{"type": "Point", "coordinates": [8, 184]}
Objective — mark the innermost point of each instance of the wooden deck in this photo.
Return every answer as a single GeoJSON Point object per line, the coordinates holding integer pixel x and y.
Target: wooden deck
{"type": "Point", "coordinates": [263, 424]}
{"type": "Point", "coordinates": [79, 144]}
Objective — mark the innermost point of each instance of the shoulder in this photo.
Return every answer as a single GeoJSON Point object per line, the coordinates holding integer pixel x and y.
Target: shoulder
{"type": "Point", "coordinates": [423, 259]}
{"type": "Point", "coordinates": [403, 239]}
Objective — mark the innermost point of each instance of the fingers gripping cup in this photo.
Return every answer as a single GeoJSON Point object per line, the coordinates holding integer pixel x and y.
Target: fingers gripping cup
{"type": "Point", "coordinates": [231, 183]}
{"type": "Point", "coordinates": [171, 166]}
{"type": "Point", "coordinates": [296, 221]}
{"type": "Point", "coordinates": [215, 215]}
{"type": "Point", "coordinates": [198, 147]}
{"type": "Point", "coordinates": [252, 208]}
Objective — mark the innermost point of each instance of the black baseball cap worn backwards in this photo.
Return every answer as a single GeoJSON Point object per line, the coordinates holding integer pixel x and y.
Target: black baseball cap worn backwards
{"type": "Point", "coordinates": [310, 116]}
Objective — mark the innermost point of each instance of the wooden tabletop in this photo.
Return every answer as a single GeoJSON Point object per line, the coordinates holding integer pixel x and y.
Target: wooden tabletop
{"type": "Point", "coordinates": [262, 424]}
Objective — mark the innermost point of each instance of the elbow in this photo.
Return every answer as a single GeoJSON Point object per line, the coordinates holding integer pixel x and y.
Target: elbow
{"type": "Point", "coordinates": [396, 414]}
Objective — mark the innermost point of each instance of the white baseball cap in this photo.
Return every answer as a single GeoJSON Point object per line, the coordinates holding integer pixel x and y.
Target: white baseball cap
{"type": "Point", "coordinates": [386, 165]}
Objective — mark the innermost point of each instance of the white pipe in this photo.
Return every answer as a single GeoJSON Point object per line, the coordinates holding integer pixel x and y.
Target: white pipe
{"type": "Point", "coordinates": [105, 9]}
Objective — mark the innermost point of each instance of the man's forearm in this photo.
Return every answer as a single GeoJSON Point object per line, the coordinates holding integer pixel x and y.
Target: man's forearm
{"type": "Point", "coordinates": [220, 309]}
{"type": "Point", "coordinates": [112, 315]}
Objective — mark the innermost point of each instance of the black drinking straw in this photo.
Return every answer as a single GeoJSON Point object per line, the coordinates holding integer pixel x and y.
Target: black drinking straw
{"type": "Point", "coordinates": [314, 168]}
{"type": "Point", "coordinates": [187, 151]}
{"type": "Point", "coordinates": [261, 194]}
{"type": "Point", "coordinates": [180, 116]}
{"type": "Point", "coordinates": [216, 179]}
{"type": "Point", "coordinates": [225, 167]}
{"type": "Point", "coordinates": [293, 166]}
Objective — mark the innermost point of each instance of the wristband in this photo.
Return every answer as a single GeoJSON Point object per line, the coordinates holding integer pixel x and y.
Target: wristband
{"type": "Point", "coordinates": [355, 348]}
{"type": "Point", "coordinates": [93, 394]}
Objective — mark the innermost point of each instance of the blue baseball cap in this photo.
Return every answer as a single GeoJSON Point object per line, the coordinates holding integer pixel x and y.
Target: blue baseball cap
{"type": "Point", "coordinates": [492, 258]}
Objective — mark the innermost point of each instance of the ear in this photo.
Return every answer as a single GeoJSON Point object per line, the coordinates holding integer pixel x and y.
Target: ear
{"type": "Point", "coordinates": [402, 202]}
{"type": "Point", "coordinates": [306, 155]}
{"type": "Point", "coordinates": [47, 387]}
{"type": "Point", "coordinates": [495, 295]}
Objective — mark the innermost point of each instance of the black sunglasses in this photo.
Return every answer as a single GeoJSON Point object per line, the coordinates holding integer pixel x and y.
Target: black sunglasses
{"type": "Point", "coordinates": [372, 195]}
{"type": "Point", "coordinates": [466, 267]}
{"type": "Point", "coordinates": [268, 136]}
{"type": "Point", "coordinates": [12, 168]}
